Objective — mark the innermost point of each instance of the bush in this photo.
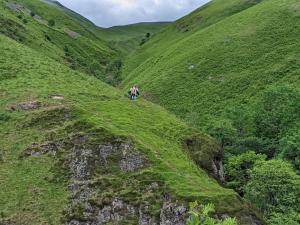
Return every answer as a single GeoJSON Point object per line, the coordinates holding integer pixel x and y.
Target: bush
{"type": "Point", "coordinates": [4, 117]}
{"type": "Point", "coordinates": [51, 23]}
{"type": "Point", "coordinates": [238, 169]}
{"type": "Point", "coordinates": [223, 131]}
{"type": "Point", "coordinates": [113, 72]}
{"type": "Point", "coordinates": [277, 112]}
{"type": "Point", "coordinates": [274, 187]}
{"type": "Point", "coordinates": [202, 216]}
{"type": "Point", "coordinates": [289, 148]}
{"type": "Point", "coordinates": [287, 218]}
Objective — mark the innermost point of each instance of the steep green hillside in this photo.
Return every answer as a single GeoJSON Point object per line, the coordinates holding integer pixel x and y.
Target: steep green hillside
{"type": "Point", "coordinates": [209, 14]}
{"type": "Point", "coordinates": [65, 37]}
{"type": "Point", "coordinates": [224, 65]}
{"type": "Point", "coordinates": [73, 147]}
{"type": "Point", "coordinates": [128, 38]}
{"type": "Point", "coordinates": [231, 69]}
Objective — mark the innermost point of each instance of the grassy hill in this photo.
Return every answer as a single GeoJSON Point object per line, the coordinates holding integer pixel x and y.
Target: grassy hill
{"type": "Point", "coordinates": [62, 36]}
{"type": "Point", "coordinates": [54, 124]}
{"type": "Point", "coordinates": [222, 56]}
{"type": "Point", "coordinates": [129, 38]}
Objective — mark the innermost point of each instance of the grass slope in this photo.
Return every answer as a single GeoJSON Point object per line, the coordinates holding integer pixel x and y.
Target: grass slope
{"type": "Point", "coordinates": [128, 38]}
{"type": "Point", "coordinates": [209, 14]}
{"type": "Point", "coordinates": [72, 40]}
{"type": "Point", "coordinates": [29, 193]}
{"type": "Point", "coordinates": [225, 62]}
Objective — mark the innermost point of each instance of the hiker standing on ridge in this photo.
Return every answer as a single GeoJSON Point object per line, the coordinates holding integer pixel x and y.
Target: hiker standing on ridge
{"type": "Point", "coordinates": [134, 92]}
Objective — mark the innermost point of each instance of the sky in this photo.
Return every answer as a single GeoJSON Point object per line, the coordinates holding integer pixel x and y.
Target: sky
{"type": "Point", "coordinates": [107, 13]}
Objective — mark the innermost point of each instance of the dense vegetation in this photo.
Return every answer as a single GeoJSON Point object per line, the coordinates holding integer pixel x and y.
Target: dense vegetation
{"type": "Point", "coordinates": [231, 70]}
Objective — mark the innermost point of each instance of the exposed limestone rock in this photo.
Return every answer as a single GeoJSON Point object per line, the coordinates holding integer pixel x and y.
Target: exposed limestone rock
{"type": "Point", "coordinates": [57, 97]}
{"type": "Point", "coordinates": [41, 149]}
{"type": "Point", "coordinates": [218, 169]}
{"type": "Point", "coordinates": [172, 214]}
{"type": "Point", "coordinates": [131, 161]}
{"type": "Point", "coordinates": [208, 154]}
{"type": "Point", "coordinates": [72, 34]}
{"type": "Point", "coordinates": [17, 8]}
{"type": "Point", "coordinates": [32, 105]}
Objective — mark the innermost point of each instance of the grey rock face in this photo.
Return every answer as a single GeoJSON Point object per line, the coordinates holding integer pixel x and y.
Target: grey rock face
{"type": "Point", "coordinates": [218, 169]}
{"type": "Point", "coordinates": [26, 106]}
{"type": "Point", "coordinates": [172, 214]}
{"type": "Point", "coordinates": [40, 149]}
{"type": "Point", "coordinates": [131, 161]}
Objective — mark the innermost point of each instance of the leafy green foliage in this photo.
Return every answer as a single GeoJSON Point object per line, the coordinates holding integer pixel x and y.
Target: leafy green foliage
{"type": "Point", "coordinates": [274, 187]}
{"type": "Point", "coordinates": [277, 112]}
{"type": "Point", "coordinates": [290, 148]}
{"type": "Point", "coordinates": [238, 169]}
{"type": "Point", "coordinates": [202, 216]}
{"type": "Point", "coordinates": [287, 218]}
{"type": "Point", "coordinates": [224, 131]}
{"type": "Point", "coordinates": [51, 23]}
{"type": "Point", "coordinates": [113, 71]}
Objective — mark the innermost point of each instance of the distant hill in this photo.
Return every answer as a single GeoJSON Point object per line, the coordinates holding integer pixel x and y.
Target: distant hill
{"type": "Point", "coordinates": [129, 38]}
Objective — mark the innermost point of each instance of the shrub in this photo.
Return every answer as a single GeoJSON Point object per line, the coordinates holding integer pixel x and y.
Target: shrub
{"type": "Point", "coordinates": [223, 131]}
{"type": "Point", "coordinates": [51, 23]}
{"type": "Point", "coordinates": [202, 216]}
{"type": "Point", "coordinates": [287, 218]}
{"type": "Point", "coordinates": [289, 148]}
{"type": "Point", "coordinates": [238, 169]}
{"type": "Point", "coordinates": [113, 72]}
{"type": "Point", "coordinates": [274, 187]}
{"type": "Point", "coordinates": [4, 117]}
{"type": "Point", "coordinates": [276, 114]}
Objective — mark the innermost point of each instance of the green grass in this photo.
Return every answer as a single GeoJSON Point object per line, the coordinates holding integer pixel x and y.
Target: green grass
{"type": "Point", "coordinates": [128, 38]}
{"type": "Point", "coordinates": [29, 194]}
{"type": "Point", "coordinates": [82, 53]}
{"type": "Point", "coordinates": [226, 59]}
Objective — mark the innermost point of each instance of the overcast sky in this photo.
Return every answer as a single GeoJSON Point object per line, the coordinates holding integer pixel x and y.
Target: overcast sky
{"type": "Point", "coordinates": [106, 13]}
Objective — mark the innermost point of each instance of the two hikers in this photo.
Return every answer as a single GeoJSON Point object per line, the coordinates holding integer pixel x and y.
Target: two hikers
{"type": "Point", "coordinates": [134, 92]}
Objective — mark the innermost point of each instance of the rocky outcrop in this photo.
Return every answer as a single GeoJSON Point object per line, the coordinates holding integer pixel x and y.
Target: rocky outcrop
{"type": "Point", "coordinates": [32, 105]}
{"type": "Point", "coordinates": [172, 214]}
{"type": "Point", "coordinates": [41, 149]}
{"type": "Point", "coordinates": [206, 153]}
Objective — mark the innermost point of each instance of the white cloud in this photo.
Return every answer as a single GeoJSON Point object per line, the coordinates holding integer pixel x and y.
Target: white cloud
{"type": "Point", "coordinates": [106, 13]}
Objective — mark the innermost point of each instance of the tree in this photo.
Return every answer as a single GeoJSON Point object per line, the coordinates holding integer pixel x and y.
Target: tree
{"type": "Point", "coordinates": [289, 147]}
{"type": "Point", "coordinates": [113, 72]}
{"type": "Point", "coordinates": [223, 131]}
{"type": "Point", "coordinates": [51, 23]}
{"type": "Point", "coordinates": [287, 218]}
{"type": "Point", "coordinates": [277, 112]}
{"type": "Point", "coordinates": [238, 169]}
{"type": "Point", "coordinates": [202, 216]}
{"type": "Point", "coordinates": [274, 187]}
